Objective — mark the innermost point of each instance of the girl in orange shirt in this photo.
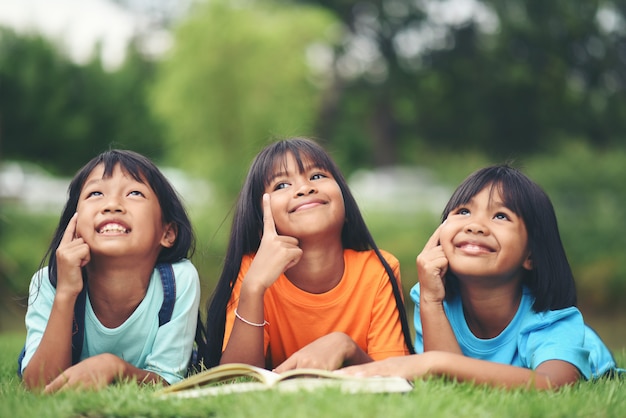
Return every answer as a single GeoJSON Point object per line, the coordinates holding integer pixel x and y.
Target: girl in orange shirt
{"type": "Point", "coordinates": [303, 284]}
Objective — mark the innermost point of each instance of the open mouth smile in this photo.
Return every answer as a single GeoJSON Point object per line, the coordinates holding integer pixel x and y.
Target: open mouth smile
{"type": "Point", "coordinates": [113, 228]}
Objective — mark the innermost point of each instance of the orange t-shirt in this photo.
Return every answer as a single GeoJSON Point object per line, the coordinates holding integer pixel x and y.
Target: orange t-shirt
{"type": "Point", "coordinates": [362, 305]}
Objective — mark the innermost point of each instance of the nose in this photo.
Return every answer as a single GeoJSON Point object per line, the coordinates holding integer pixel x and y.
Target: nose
{"type": "Point", "coordinates": [112, 204]}
{"type": "Point", "coordinates": [476, 228]}
{"type": "Point", "coordinates": [305, 188]}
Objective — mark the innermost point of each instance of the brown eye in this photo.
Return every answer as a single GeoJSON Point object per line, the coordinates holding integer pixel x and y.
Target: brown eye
{"type": "Point", "coordinates": [280, 186]}
{"type": "Point", "coordinates": [502, 216]}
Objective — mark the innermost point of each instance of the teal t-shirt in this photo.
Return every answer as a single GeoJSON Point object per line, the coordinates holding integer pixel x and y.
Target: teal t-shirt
{"type": "Point", "coordinates": [530, 338]}
{"type": "Point", "coordinates": [140, 341]}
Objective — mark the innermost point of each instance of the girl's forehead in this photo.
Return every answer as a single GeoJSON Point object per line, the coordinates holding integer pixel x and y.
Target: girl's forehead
{"type": "Point", "coordinates": [496, 197]}
{"type": "Point", "coordinates": [491, 192]}
{"type": "Point", "coordinates": [289, 163]}
{"type": "Point", "coordinates": [101, 172]}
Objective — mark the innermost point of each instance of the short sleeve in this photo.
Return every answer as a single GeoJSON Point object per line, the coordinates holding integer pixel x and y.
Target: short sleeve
{"type": "Point", "coordinates": [555, 335]}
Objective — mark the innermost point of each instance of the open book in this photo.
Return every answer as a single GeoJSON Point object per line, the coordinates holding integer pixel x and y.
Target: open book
{"type": "Point", "coordinates": [237, 377]}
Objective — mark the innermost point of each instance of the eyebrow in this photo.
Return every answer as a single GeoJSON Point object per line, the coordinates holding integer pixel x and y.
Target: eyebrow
{"type": "Point", "coordinates": [90, 182]}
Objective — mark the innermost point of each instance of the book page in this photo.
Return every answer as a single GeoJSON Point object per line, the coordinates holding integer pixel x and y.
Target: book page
{"type": "Point", "coordinates": [219, 380]}
{"type": "Point", "coordinates": [223, 373]}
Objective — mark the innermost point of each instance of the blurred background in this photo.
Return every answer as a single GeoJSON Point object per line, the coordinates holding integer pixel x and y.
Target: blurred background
{"type": "Point", "coordinates": [409, 96]}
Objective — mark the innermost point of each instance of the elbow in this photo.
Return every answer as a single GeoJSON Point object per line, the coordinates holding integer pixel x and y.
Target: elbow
{"type": "Point", "coordinates": [32, 381]}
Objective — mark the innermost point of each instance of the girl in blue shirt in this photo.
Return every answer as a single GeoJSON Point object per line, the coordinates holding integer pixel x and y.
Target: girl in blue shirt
{"type": "Point", "coordinates": [122, 217]}
{"type": "Point", "coordinates": [496, 299]}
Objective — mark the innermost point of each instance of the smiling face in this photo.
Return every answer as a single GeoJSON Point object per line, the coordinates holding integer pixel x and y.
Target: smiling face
{"type": "Point", "coordinates": [305, 203]}
{"type": "Point", "coordinates": [485, 239]}
{"type": "Point", "coordinates": [120, 216]}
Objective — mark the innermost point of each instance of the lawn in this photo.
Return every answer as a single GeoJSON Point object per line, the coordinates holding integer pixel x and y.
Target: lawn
{"type": "Point", "coordinates": [433, 398]}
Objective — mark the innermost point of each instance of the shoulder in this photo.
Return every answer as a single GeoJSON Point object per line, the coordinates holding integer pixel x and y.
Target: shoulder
{"type": "Point", "coordinates": [569, 320]}
{"type": "Point", "coordinates": [41, 276]}
{"type": "Point", "coordinates": [391, 259]}
{"type": "Point", "coordinates": [40, 288]}
{"type": "Point", "coordinates": [369, 256]}
{"type": "Point", "coordinates": [40, 281]}
{"type": "Point", "coordinates": [185, 273]}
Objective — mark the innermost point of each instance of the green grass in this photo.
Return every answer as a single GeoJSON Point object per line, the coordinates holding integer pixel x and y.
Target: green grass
{"type": "Point", "coordinates": [432, 398]}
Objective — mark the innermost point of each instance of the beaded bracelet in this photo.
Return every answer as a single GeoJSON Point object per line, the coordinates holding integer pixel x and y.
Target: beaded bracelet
{"type": "Point", "coordinates": [254, 324]}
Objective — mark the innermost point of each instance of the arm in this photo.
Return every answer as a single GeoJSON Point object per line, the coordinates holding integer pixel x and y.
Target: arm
{"type": "Point", "coordinates": [99, 371]}
{"type": "Point", "coordinates": [432, 265]}
{"type": "Point", "coordinates": [550, 374]}
{"type": "Point", "coordinates": [329, 352]}
{"type": "Point", "coordinates": [54, 352]}
{"type": "Point", "coordinates": [275, 255]}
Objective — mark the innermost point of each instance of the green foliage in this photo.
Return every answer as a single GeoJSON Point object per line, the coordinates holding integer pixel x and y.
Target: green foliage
{"type": "Point", "coordinates": [434, 397]}
{"type": "Point", "coordinates": [61, 114]}
{"type": "Point", "coordinates": [522, 80]}
{"type": "Point", "coordinates": [24, 240]}
{"type": "Point", "coordinates": [236, 78]}
{"type": "Point", "coordinates": [586, 188]}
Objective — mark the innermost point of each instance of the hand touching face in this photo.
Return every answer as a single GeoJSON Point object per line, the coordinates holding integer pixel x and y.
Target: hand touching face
{"type": "Point", "coordinates": [276, 254]}
{"type": "Point", "coordinates": [72, 254]}
{"type": "Point", "coordinates": [432, 266]}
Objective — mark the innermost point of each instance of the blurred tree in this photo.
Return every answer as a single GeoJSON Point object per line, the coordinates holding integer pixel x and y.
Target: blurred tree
{"type": "Point", "coordinates": [504, 77]}
{"type": "Point", "coordinates": [60, 114]}
{"type": "Point", "coordinates": [237, 76]}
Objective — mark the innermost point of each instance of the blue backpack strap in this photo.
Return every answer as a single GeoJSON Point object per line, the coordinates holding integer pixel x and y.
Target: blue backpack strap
{"type": "Point", "coordinates": [19, 361]}
{"type": "Point", "coordinates": [78, 332]}
{"type": "Point", "coordinates": [166, 272]}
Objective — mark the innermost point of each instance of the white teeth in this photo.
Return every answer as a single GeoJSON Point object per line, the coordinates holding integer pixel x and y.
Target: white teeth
{"type": "Point", "coordinates": [113, 228]}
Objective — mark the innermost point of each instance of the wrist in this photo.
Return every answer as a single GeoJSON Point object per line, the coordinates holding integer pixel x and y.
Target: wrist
{"type": "Point", "coordinates": [65, 300]}
{"type": "Point", "coordinates": [251, 288]}
{"type": "Point", "coordinates": [432, 305]}
{"type": "Point", "coordinates": [433, 361]}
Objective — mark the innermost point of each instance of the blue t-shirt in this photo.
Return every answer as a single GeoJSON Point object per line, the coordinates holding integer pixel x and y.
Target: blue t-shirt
{"type": "Point", "coordinates": [530, 338]}
{"type": "Point", "coordinates": [164, 350]}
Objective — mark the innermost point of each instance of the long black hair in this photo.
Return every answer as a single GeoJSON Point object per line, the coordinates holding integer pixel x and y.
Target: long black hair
{"type": "Point", "coordinates": [551, 280]}
{"type": "Point", "coordinates": [247, 225]}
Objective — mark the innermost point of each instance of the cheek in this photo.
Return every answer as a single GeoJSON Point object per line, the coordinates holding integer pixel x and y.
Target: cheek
{"type": "Point", "coordinates": [446, 233]}
{"type": "Point", "coordinates": [81, 227]}
{"type": "Point", "coordinates": [278, 216]}
{"type": "Point", "coordinates": [446, 237]}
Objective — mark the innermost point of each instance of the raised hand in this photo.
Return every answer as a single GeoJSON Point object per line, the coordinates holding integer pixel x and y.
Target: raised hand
{"type": "Point", "coordinates": [72, 254]}
{"type": "Point", "coordinates": [276, 253]}
{"type": "Point", "coordinates": [432, 266]}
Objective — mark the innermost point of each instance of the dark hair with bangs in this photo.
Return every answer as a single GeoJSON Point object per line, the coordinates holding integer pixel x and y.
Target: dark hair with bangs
{"type": "Point", "coordinates": [551, 280]}
{"type": "Point", "coordinates": [247, 227]}
{"type": "Point", "coordinates": [144, 171]}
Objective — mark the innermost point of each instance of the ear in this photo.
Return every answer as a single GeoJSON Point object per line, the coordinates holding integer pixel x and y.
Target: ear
{"type": "Point", "coordinates": [528, 263]}
{"type": "Point", "coordinates": [169, 235]}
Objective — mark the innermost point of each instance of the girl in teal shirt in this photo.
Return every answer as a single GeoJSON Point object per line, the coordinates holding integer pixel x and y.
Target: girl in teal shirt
{"type": "Point", "coordinates": [122, 217]}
